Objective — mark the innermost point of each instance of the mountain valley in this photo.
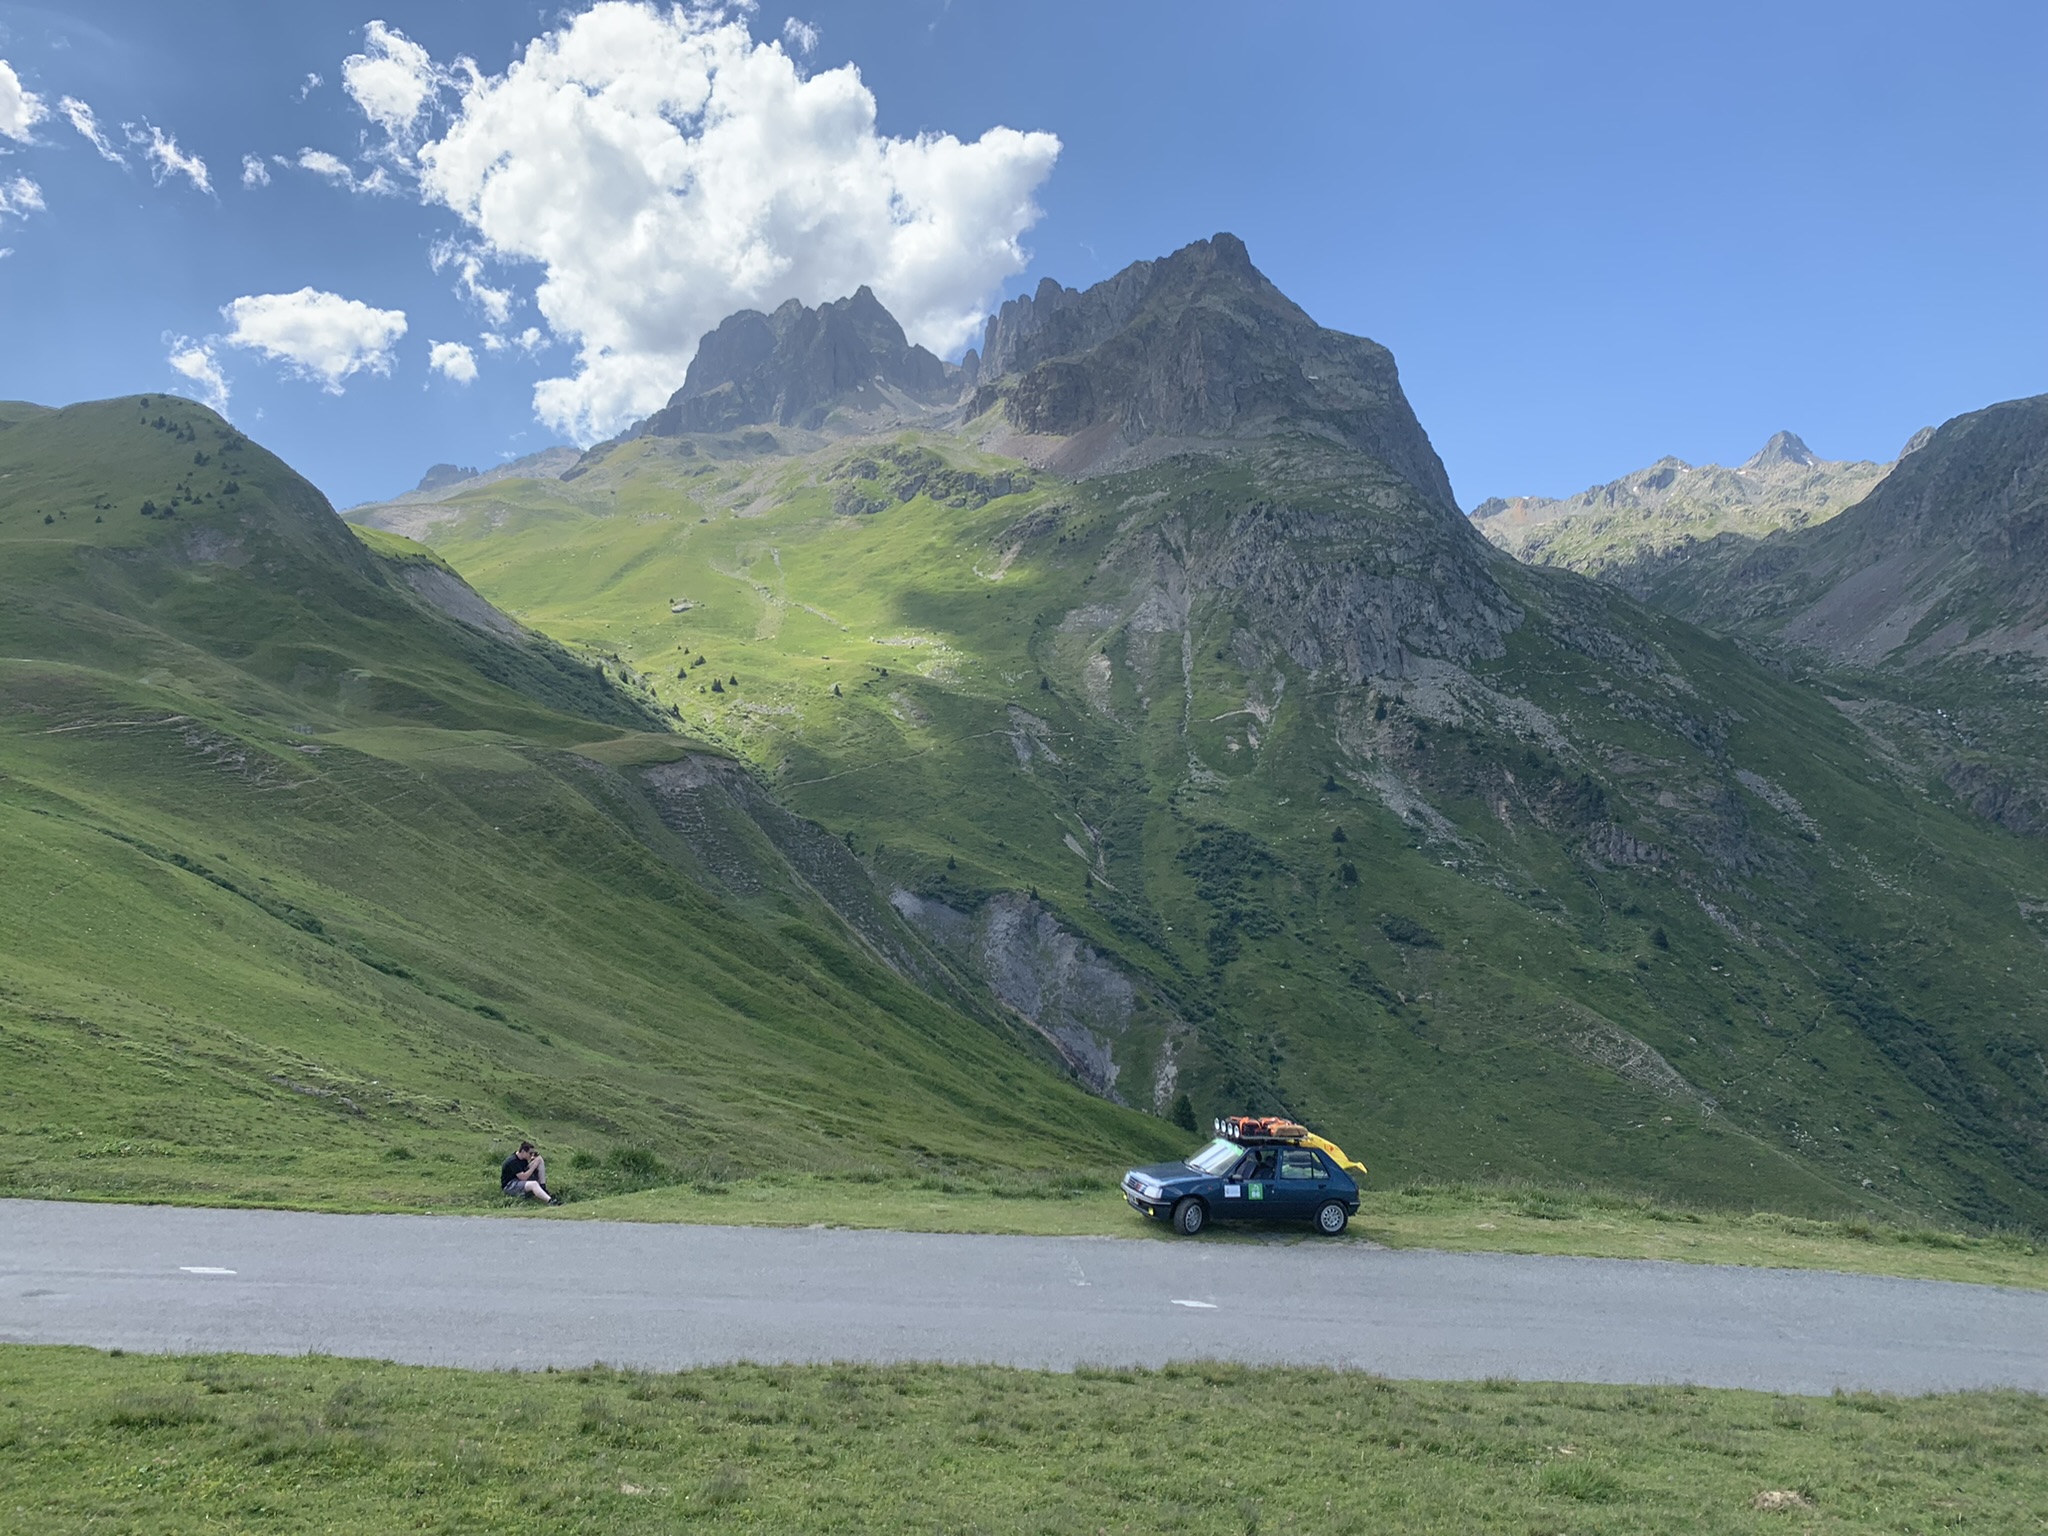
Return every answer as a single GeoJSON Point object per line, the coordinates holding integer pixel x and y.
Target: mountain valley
{"type": "Point", "coordinates": [1153, 681]}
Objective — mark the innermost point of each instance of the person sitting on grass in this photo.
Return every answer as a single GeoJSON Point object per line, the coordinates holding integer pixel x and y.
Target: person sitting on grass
{"type": "Point", "coordinates": [526, 1173]}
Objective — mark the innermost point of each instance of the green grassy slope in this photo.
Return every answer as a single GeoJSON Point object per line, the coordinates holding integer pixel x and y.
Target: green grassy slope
{"type": "Point", "coordinates": [1608, 903]}
{"type": "Point", "coordinates": [316, 894]}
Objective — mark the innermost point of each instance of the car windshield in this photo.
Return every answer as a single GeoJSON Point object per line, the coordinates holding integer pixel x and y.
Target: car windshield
{"type": "Point", "coordinates": [1217, 1156]}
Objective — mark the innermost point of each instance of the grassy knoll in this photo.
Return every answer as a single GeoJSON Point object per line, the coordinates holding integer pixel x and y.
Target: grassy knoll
{"type": "Point", "coordinates": [241, 1444]}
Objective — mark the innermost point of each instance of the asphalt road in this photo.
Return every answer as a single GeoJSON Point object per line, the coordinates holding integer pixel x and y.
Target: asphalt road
{"type": "Point", "coordinates": [483, 1292]}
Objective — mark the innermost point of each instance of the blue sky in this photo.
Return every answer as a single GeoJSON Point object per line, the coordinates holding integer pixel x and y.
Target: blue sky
{"type": "Point", "coordinates": [1592, 234]}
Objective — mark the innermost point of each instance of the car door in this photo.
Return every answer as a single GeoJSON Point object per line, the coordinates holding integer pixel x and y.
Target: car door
{"type": "Point", "coordinates": [1301, 1183]}
{"type": "Point", "coordinates": [1248, 1188]}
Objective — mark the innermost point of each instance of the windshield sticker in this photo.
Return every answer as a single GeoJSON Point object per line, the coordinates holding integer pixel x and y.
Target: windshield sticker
{"type": "Point", "coordinates": [1258, 1191]}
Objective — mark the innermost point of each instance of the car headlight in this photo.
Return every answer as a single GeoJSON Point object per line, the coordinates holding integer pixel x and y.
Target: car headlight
{"type": "Point", "coordinates": [1150, 1191]}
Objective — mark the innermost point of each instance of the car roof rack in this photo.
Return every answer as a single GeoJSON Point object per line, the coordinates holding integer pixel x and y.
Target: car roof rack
{"type": "Point", "coordinates": [1261, 1128]}
{"type": "Point", "coordinates": [1269, 1130]}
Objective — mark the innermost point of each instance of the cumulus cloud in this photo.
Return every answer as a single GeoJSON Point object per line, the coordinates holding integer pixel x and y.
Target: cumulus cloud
{"type": "Point", "coordinates": [254, 172]}
{"type": "Point", "coordinates": [19, 198]}
{"type": "Point", "coordinates": [801, 36]}
{"type": "Point", "coordinates": [393, 81]}
{"type": "Point", "coordinates": [454, 360]}
{"type": "Point", "coordinates": [321, 336]}
{"type": "Point", "coordinates": [165, 159]}
{"type": "Point", "coordinates": [195, 362]}
{"type": "Point", "coordinates": [20, 108]}
{"type": "Point", "coordinates": [88, 127]}
{"type": "Point", "coordinates": [313, 83]}
{"type": "Point", "coordinates": [664, 169]}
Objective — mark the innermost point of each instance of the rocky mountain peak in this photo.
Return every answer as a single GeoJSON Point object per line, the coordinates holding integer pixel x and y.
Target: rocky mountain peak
{"type": "Point", "coordinates": [794, 367]}
{"type": "Point", "coordinates": [1199, 345]}
{"type": "Point", "coordinates": [1917, 441]}
{"type": "Point", "coordinates": [1783, 448]}
{"type": "Point", "coordinates": [444, 475]}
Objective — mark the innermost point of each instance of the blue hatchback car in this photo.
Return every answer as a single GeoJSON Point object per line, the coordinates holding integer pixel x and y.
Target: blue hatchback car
{"type": "Point", "coordinates": [1246, 1180]}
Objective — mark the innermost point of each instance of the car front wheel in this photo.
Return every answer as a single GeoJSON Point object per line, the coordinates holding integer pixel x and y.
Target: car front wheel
{"type": "Point", "coordinates": [1190, 1216]}
{"type": "Point", "coordinates": [1332, 1218]}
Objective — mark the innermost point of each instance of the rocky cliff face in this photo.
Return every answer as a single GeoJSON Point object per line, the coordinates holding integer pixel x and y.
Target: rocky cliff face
{"type": "Point", "coordinates": [794, 367]}
{"type": "Point", "coordinates": [1196, 345]}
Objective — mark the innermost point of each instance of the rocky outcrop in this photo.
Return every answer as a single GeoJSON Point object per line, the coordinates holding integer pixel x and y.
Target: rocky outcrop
{"type": "Point", "coordinates": [1079, 1001]}
{"type": "Point", "coordinates": [1197, 345]}
{"type": "Point", "coordinates": [792, 368]}
{"type": "Point", "coordinates": [442, 476]}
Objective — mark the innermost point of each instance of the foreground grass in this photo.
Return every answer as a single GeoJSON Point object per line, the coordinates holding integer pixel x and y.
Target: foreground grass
{"type": "Point", "coordinates": [234, 1443]}
{"type": "Point", "coordinates": [1460, 1217]}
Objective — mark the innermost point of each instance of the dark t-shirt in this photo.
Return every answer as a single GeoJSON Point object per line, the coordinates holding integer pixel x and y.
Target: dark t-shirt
{"type": "Point", "coordinates": [516, 1167]}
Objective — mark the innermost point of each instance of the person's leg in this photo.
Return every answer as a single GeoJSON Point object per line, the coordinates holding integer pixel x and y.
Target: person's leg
{"type": "Point", "coordinates": [532, 1189]}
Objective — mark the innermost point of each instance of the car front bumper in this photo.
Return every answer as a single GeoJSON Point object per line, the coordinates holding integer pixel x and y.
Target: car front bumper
{"type": "Point", "coordinates": [1138, 1202]}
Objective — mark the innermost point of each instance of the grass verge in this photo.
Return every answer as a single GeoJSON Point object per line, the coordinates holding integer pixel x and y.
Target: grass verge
{"type": "Point", "coordinates": [234, 1443]}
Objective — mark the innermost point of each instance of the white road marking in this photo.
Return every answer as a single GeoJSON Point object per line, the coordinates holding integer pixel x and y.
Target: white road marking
{"type": "Point", "coordinates": [204, 1269]}
{"type": "Point", "coordinates": [1206, 1306]}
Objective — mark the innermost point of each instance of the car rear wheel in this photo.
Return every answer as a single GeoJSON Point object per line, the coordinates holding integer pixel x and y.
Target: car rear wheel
{"type": "Point", "coordinates": [1332, 1218]}
{"type": "Point", "coordinates": [1190, 1216]}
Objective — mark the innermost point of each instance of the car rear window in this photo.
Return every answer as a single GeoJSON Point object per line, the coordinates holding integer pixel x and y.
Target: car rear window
{"type": "Point", "coordinates": [1300, 1163]}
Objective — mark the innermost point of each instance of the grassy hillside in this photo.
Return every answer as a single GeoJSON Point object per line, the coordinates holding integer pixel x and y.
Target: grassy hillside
{"type": "Point", "coordinates": [325, 883]}
{"type": "Point", "coordinates": [1530, 880]}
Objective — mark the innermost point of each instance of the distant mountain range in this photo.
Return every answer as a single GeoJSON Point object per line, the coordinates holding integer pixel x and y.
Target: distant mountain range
{"type": "Point", "coordinates": [1640, 531]}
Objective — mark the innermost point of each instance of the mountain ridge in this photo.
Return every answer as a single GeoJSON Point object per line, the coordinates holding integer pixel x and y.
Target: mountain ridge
{"type": "Point", "coordinates": [1643, 530]}
{"type": "Point", "coordinates": [797, 366]}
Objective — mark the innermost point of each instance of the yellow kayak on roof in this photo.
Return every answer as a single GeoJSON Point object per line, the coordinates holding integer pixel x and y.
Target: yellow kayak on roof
{"type": "Point", "coordinates": [1273, 1128]}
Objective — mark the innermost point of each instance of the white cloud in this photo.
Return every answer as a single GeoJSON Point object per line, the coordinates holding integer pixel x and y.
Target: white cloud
{"type": "Point", "coordinates": [454, 360]}
{"type": "Point", "coordinates": [468, 262]}
{"type": "Point", "coordinates": [338, 171]}
{"type": "Point", "coordinates": [254, 172]}
{"type": "Point", "coordinates": [313, 83]}
{"type": "Point", "coordinates": [393, 83]}
{"type": "Point", "coordinates": [88, 127]}
{"type": "Point", "coordinates": [529, 341]}
{"type": "Point", "coordinates": [165, 159]}
{"type": "Point", "coordinates": [195, 361]}
{"type": "Point", "coordinates": [19, 198]}
{"type": "Point", "coordinates": [801, 36]}
{"type": "Point", "coordinates": [6, 251]}
{"type": "Point", "coordinates": [20, 108]}
{"type": "Point", "coordinates": [322, 336]}
{"type": "Point", "coordinates": [664, 169]}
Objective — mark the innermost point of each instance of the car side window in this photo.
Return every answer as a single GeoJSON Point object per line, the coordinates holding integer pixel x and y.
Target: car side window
{"type": "Point", "coordinates": [1301, 1163]}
